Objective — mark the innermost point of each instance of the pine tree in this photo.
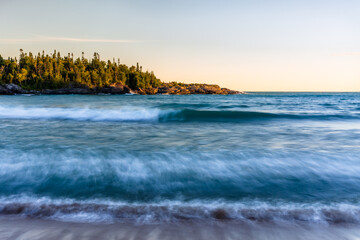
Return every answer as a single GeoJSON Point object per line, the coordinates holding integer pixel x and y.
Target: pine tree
{"type": "Point", "coordinates": [53, 71]}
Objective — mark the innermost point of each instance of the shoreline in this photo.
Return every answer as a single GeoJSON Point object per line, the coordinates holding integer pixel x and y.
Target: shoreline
{"type": "Point", "coordinates": [166, 89]}
{"type": "Point", "coordinates": [39, 229]}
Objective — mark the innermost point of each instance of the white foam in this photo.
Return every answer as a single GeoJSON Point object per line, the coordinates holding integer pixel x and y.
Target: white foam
{"type": "Point", "coordinates": [83, 217]}
{"type": "Point", "coordinates": [81, 114]}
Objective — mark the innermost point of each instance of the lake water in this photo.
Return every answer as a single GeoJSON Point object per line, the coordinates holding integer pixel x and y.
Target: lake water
{"type": "Point", "coordinates": [257, 158]}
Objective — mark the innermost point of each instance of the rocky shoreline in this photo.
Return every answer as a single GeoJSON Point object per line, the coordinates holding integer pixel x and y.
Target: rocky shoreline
{"type": "Point", "coordinates": [166, 88]}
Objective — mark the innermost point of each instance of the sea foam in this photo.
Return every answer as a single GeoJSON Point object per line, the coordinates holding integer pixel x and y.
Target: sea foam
{"type": "Point", "coordinates": [80, 114]}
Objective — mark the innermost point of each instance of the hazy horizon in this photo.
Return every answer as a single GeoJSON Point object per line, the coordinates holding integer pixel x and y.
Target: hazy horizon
{"type": "Point", "coordinates": [249, 46]}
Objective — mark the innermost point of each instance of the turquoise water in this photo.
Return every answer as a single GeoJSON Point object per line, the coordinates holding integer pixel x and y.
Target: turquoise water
{"type": "Point", "coordinates": [256, 157]}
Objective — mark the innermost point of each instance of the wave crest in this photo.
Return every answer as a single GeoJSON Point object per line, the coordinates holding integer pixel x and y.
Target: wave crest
{"type": "Point", "coordinates": [154, 114]}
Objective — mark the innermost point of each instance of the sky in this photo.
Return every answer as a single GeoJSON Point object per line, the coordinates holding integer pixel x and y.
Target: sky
{"type": "Point", "coordinates": [253, 45]}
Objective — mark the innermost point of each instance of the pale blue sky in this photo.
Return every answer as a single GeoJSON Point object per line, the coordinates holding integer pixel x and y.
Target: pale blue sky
{"type": "Point", "coordinates": [245, 45]}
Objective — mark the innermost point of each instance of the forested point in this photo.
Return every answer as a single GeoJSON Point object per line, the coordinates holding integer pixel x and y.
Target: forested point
{"type": "Point", "coordinates": [51, 71]}
{"type": "Point", "coordinates": [45, 73]}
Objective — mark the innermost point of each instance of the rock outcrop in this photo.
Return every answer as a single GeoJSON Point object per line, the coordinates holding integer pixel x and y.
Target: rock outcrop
{"type": "Point", "coordinates": [12, 89]}
{"type": "Point", "coordinates": [184, 89]}
{"type": "Point", "coordinates": [165, 88]}
{"type": "Point", "coordinates": [67, 91]}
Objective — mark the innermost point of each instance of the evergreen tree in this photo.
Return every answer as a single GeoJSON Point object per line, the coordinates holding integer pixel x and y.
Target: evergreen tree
{"type": "Point", "coordinates": [53, 71]}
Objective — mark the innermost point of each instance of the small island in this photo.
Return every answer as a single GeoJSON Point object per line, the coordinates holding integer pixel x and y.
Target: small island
{"type": "Point", "coordinates": [54, 74]}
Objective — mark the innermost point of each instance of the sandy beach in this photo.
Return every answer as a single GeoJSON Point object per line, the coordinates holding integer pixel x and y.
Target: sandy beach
{"type": "Point", "coordinates": [36, 229]}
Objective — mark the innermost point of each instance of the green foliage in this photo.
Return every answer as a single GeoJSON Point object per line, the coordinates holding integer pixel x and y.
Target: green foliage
{"type": "Point", "coordinates": [53, 71]}
{"type": "Point", "coordinates": [2, 61]}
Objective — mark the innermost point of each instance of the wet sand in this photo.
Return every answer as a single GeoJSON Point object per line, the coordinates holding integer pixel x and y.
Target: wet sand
{"type": "Point", "coordinates": [26, 229]}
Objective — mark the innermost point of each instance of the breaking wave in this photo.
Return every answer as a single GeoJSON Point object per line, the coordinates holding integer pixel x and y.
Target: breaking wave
{"type": "Point", "coordinates": [155, 114]}
{"type": "Point", "coordinates": [175, 211]}
{"type": "Point", "coordinates": [80, 114]}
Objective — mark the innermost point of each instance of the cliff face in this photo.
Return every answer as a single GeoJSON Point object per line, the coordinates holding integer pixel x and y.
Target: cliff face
{"type": "Point", "coordinates": [166, 88]}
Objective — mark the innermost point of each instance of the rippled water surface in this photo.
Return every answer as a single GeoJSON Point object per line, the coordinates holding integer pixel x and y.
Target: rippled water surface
{"type": "Point", "coordinates": [258, 157]}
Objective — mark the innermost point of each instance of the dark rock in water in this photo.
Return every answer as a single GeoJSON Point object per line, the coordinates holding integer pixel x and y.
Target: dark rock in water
{"type": "Point", "coordinates": [4, 91]}
{"type": "Point", "coordinates": [220, 214]}
{"type": "Point", "coordinates": [13, 209]}
{"type": "Point", "coordinates": [12, 89]}
{"type": "Point", "coordinates": [15, 88]}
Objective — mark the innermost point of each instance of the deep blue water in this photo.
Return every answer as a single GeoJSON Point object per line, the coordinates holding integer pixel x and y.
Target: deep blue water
{"type": "Point", "coordinates": [259, 156]}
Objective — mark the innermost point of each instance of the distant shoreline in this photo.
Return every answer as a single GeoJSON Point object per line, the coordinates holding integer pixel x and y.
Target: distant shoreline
{"type": "Point", "coordinates": [54, 74]}
{"type": "Point", "coordinates": [165, 89]}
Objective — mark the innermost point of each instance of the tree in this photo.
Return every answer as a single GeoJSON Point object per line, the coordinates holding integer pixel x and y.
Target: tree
{"type": "Point", "coordinates": [2, 61]}
{"type": "Point", "coordinates": [53, 71]}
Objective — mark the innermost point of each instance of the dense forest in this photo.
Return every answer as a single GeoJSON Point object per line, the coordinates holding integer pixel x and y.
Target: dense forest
{"type": "Point", "coordinates": [52, 71]}
{"type": "Point", "coordinates": [54, 74]}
